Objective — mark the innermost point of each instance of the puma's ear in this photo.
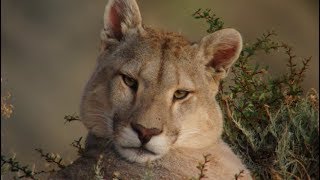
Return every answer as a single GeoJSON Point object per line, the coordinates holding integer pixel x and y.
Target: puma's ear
{"type": "Point", "coordinates": [121, 17]}
{"type": "Point", "coordinates": [220, 50]}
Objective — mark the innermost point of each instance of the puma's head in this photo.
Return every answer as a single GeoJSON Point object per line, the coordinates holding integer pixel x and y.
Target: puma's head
{"type": "Point", "coordinates": [154, 91]}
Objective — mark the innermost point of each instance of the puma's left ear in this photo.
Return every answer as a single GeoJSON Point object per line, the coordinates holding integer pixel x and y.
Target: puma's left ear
{"type": "Point", "coordinates": [220, 50]}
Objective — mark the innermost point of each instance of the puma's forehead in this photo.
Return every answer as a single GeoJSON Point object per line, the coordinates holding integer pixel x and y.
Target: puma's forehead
{"type": "Point", "coordinates": [159, 58]}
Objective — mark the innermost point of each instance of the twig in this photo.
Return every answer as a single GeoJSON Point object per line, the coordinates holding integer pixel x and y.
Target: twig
{"type": "Point", "coordinates": [214, 23]}
{"type": "Point", "coordinates": [202, 167]}
{"type": "Point", "coordinates": [239, 175]}
{"type": "Point", "coordinates": [52, 158]}
{"type": "Point", "coordinates": [70, 118]}
{"type": "Point", "coordinates": [77, 144]}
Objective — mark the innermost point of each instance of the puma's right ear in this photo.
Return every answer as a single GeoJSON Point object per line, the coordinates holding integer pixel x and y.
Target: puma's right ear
{"type": "Point", "coordinates": [121, 17]}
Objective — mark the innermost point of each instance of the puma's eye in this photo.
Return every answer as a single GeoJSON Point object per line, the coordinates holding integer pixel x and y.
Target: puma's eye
{"type": "Point", "coordinates": [130, 82]}
{"type": "Point", "coordinates": [180, 94]}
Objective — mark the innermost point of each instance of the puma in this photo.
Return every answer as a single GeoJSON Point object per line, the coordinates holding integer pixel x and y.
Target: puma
{"type": "Point", "coordinates": [150, 102]}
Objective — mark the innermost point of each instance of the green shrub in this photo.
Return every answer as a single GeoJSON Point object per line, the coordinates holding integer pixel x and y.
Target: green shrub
{"type": "Point", "coordinates": [268, 121]}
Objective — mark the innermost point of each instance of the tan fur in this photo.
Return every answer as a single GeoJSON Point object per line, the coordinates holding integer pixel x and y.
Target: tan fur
{"type": "Point", "coordinates": [162, 63]}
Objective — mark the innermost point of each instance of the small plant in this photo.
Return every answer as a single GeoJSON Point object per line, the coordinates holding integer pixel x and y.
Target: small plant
{"type": "Point", "coordinates": [12, 165]}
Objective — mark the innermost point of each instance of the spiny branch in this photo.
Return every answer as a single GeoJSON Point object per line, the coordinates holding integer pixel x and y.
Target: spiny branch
{"type": "Point", "coordinates": [51, 158]}
{"type": "Point", "coordinates": [70, 118]}
{"type": "Point", "coordinates": [202, 167]}
{"type": "Point", "coordinates": [77, 144]}
{"type": "Point", "coordinates": [214, 22]}
{"type": "Point", "coordinates": [239, 175]}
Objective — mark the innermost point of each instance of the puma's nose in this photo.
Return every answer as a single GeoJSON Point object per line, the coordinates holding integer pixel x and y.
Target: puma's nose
{"type": "Point", "coordinates": [145, 134]}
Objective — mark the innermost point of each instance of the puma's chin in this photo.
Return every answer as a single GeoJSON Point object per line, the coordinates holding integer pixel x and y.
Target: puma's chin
{"type": "Point", "coordinates": [138, 154]}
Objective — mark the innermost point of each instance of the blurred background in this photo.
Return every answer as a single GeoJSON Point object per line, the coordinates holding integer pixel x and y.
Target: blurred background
{"type": "Point", "coordinates": [49, 47]}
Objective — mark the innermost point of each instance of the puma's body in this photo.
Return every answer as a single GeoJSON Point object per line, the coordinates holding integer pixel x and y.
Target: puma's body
{"type": "Point", "coordinates": [152, 95]}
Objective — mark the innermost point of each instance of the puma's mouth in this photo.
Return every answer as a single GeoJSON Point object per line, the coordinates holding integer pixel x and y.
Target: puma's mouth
{"type": "Point", "coordinates": [137, 154]}
{"type": "Point", "coordinates": [141, 150]}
